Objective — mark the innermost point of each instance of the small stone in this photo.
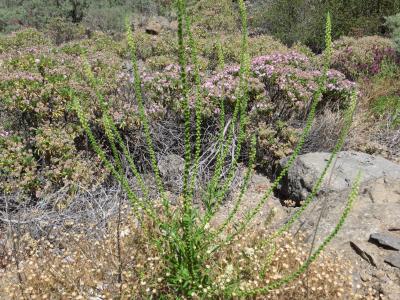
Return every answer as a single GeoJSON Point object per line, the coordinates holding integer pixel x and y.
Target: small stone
{"type": "Point", "coordinates": [393, 260]}
{"type": "Point", "coordinates": [379, 274]}
{"type": "Point", "coordinates": [365, 251]}
{"type": "Point", "coordinates": [153, 27]}
{"type": "Point", "coordinates": [386, 240]}
{"type": "Point", "coordinates": [391, 291]}
{"type": "Point", "coordinates": [365, 277]}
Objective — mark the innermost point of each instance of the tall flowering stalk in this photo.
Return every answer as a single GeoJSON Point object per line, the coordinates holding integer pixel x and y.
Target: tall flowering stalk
{"type": "Point", "coordinates": [183, 237]}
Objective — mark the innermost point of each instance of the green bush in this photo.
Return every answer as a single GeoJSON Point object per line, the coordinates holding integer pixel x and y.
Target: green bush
{"type": "Point", "coordinates": [388, 107]}
{"type": "Point", "coordinates": [23, 39]}
{"type": "Point", "coordinates": [300, 20]}
{"type": "Point", "coordinates": [393, 22]}
{"type": "Point", "coordinates": [213, 16]}
{"type": "Point", "coordinates": [382, 93]}
{"type": "Point", "coordinates": [96, 14]}
{"type": "Point", "coordinates": [106, 19]}
{"type": "Point", "coordinates": [61, 31]}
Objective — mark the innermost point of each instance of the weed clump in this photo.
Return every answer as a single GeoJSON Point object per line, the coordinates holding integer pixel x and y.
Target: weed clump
{"type": "Point", "coordinates": [169, 251]}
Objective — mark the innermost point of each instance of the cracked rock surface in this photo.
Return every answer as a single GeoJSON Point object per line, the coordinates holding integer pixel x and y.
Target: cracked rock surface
{"type": "Point", "coordinates": [370, 237]}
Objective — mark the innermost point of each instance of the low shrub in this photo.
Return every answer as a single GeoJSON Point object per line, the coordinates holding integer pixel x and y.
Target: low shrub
{"type": "Point", "coordinates": [44, 143]}
{"type": "Point", "coordinates": [258, 45]}
{"type": "Point", "coordinates": [363, 56]}
{"type": "Point", "coordinates": [23, 39]}
{"type": "Point", "coordinates": [155, 45]}
{"type": "Point", "coordinates": [393, 22]}
{"type": "Point", "coordinates": [17, 163]}
{"type": "Point", "coordinates": [213, 17]}
{"type": "Point", "coordinates": [106, 19]}
{"type": "Point", "coordinates": [388, 107]}
{"type": "Point", "coordinates": [38, 77]}
{"type": "Point", "coordinates": [281, 88]}
{"type": "Point", "coordinates": [61, 30]}
{"type": "Point", "coordinates": [376, 129]}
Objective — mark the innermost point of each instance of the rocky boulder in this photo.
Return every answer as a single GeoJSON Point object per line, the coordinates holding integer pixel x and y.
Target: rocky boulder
{"type": "Point", "coordinates": [157, 24]}
{"type": "Point", "coordinates": [307, 168]}
{"type": "Point", "coordinates": [370, 237]}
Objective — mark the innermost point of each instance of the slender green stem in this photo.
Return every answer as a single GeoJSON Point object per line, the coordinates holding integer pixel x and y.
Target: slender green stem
{"type": "Point", "coordinates": [136, 203]}
{"type": "Point", "coordinates": [186, 109]}
{"type": "Point", "coordinates": [113, 130]}
{"type": "Point", "coordinates": [342, 137]}
{"type": "Point", "coordinates": [243, 189]}
{"type": "Point", "coordinates": [316, 97]}
{"type": "Point", "coordinates": [240, 113]}
{"type": "Point", "coordinates": [220, 55]}
{"type": "Point", "coordinates": [198, 104]}
{"type": "Point", "coordinates": [142, 113]}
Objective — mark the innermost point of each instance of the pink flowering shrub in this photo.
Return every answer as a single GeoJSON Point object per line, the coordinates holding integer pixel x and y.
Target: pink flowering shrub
{"type": "Point", "coordinates": [281, 88]}
{"type": "Point", "coordinates": [42, 139]}
{"type": "Point", "coordinates": [17, 164]}
{"type": "Point", "coordinates": [280, 80]}
{"type": "Point", "coordinates": [364, 56]}
{"type": "Point", "coordinates": [42, 144]}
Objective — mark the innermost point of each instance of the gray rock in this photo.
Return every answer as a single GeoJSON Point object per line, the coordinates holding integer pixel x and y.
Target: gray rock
{"type": "Point", "coordinates": [153, 28]}
{"type": "Point", "coordinates": [157, 24]}
{"type": "Point", "coordinates": [386, 240]}
{"type": "Point", "coordinates": [393, 260]}
{"type": "Point", "coordinates": [366, 252]}
{"type": "Point", "coordinates": [391, 291]}
{"type": "Point", "coordinates": [366, 217]}
{"type": "Point", "coordinates": [308, 167]}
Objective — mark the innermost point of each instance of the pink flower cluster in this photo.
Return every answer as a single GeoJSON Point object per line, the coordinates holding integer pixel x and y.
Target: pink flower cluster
{"type": "Point", "coordinates": [278, 77]}
{"type": "Point", "coordinates": [364, 56]}
{"type": "Point", "coordinates": [288, 79]}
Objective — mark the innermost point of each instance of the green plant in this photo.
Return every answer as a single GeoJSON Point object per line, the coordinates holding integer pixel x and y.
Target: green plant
{"type": "Point", "coordinates": [91, 262]}
{"type": "Point", "coordinates": [183, 237]}
{"type": "Point", "coordinates": [300, 20]}
{"type": "Point", "coordinates": [393, 22]}
{"type": "Point", "coordinates": [389, 107]}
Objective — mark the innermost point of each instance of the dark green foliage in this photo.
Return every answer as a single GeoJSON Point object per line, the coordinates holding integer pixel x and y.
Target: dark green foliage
{"type": "Point", "coordinates": [106, 15]}
{"type": "Point", "coordinates": [388, 106]}
{"type": "Point", "coordinates": [301, 20]}
{"type": "Point", "coordinates": [393, 22]}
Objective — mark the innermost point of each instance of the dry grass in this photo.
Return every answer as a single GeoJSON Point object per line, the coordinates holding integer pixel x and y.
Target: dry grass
{"type": "Point", "coordinates": [372, 133]}
{"type": "Point", "coordinates": [81, 266]}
